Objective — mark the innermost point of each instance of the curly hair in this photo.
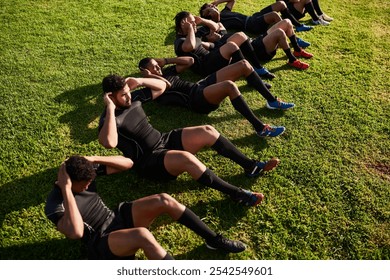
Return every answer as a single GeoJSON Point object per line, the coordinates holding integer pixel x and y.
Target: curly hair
{"type": "Point", "coordinates": [178, 18]}
{"type": "Point", "coordinates": [80, 169]}
{"type": "Point", "coordinates": [113, 83]}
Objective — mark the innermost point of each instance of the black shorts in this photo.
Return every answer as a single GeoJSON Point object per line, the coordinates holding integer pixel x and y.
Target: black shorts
{"type": "Point", "coordinates": [260, 50]}
{"type": "Point", "coordinates": [213, 62]}
{"type": "Point", "coordinates": [151, 164]}
{"type": "Point", "coordinates": [198, 102]}
{"type": "Point", "coordinates": [294, 11]}
{"type": "Point", "coordinates": [256, 24]}
{"type": "Point", "coordinates": [98, 248]}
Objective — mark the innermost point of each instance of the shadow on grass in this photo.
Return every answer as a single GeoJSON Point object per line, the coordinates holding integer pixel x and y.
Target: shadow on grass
{"type": "Point", "coordinates": [171, 36]}
{"type": "Point", "coordinates": [33, 190]}
{"type": "Point", "coordinates": [88, 105]}
{"type": "Point", "coordinates": [25, 192]}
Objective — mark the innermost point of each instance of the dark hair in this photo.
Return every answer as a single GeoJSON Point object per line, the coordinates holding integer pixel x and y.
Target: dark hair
{"type": "Point", "coordinates": [178, 18]}
{"type": "Point", "coordinates": [113, 83]}
{"type": "Point", "coordinates": [201, 11]}
{"type": "Point", "coordinates": [143, 63]}
{"type": "Point", "coordinates": [80, 169]}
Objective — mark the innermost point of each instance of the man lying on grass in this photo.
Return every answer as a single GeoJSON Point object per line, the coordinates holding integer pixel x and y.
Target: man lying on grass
{"type": "Point", "coordinates": [164, 156]}
{"type": "Point", "coordinates": [205, 95]}
{"type": "Point", "coordinates": [78, 211]}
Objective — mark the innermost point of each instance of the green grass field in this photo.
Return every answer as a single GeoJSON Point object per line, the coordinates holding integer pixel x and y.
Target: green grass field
{"type": "Point", "coordinates": [330, 196]}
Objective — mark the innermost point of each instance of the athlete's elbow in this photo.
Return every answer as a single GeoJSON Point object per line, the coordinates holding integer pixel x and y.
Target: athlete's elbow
{"type": "Point", "coordinates": [106, 143]}
{"type": "Point", "coordinates": [75, 234]}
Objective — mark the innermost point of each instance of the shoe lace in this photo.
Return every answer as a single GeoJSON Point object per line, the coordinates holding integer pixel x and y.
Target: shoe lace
{"type": "Point", "coordinates": [226, 242]}
{"type": "Point", "coordinates": [268, 128]}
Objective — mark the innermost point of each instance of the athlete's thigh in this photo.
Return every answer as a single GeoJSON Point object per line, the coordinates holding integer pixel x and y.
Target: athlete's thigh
{"type": "Point", "coordinates": [235, 71]}
{"type": "Point", "coordinates": [125, 242]}
{"type": "Point", "coordinates": [196, 137]}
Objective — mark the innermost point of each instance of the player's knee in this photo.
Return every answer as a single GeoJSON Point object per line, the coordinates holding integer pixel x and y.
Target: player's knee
{"type": "Point", "coordinates": [146, 239]}
{"type": "Point", "coordinates": [274, 17]}
{"type": "Point", "coordinates": [280, 33]}
{"type": "Point", "coordinates": [186, 160]}
{"type": "Point", "coordinates": [242, 35]}
{"type": "Point", "coordinates": [210, 130]}
{"type": "Point", "coordinates": [232, 46]}
{"type": "Point", "coordinates": [280, 6]}
{"type": "Point", "coordinates": [245, 65]}
{"type": "Point", "coordinates": [230, 87]}
{"type": "Point", "coordinates": [287, 22]}
{"type": "Point", "coordinates": [166, 200]}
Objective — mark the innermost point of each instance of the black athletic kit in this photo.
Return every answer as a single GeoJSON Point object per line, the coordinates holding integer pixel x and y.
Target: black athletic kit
{"type": "Point", "coordinates": [98, 219]}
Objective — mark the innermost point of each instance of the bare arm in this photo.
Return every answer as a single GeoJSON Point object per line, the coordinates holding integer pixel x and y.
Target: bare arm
{"type": "Point", "coordinates": [71, 224]}
{"type": "Point", "coordinates": [182, 62]}
{"type": "Point", "coordinates": [213, 26]}
{"type": "Point", "coordinates": [157, 86]}
{"type": "Point", "coordinates": [114, 164]}
{"type": "Point", "coordinates": [108, 135]}
{"type": "Point", "coordinates": [229, 3]}
{"type": "Point", "coordinates": [189, 43]}
{"type": "Point", "coordinates": [147, 74]}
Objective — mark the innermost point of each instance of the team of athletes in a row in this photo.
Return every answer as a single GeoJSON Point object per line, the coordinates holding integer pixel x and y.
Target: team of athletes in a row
{"type": "Point", "coordinates": [204, 45]}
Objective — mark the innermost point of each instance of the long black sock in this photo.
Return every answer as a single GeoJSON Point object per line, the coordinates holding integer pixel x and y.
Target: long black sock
{"type": "Point", "coordinates": [194, 223]}
{"type": "Point", "coordinates": [249, 53]}
{"type": "Point", "coordinates": [310, 9]}
{"type": "Point", "coordinates": [237, 56]}
{"type": "Point", "coordinates": [242, 107]}
{"type": "Point", "coordinates": [317, 8]}
{"type": "Point", "coordinates": [255, 81]}
{"type": "Point", "coordinates": [287, 14]}
{"type": "Point", "coordinates": [168, 257]}
{"type": "Point", "coordinates": [291, 57]}
{"type": "Point", "coordinates": [294, 43]}
{"type": "Point", "coordinates": [209, 179]}
{"type": "Point", "coordinates": [226, 148]}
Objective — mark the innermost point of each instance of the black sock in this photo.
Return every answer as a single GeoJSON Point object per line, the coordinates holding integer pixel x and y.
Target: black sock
{"type": "Point", "coordinates": [291, 57]}
{"type": "Point", "coordinates": [255, 81]}
{"type": "Point", "coordinates": [287, 14]}
{"type": "Point", "coordinates": [237, 56]}
{"type": "Point", "coordinates": [310, 9]}
{"type": "Point", "coordinates": [209, 179]}
{"type": "Point", "coordinates": [168, 257]}
{"type": "Point", "coordinates": [194, 223]}
{"type": "Point", "coordinates": [242, 107]}
{"type": "Point", "coordinates": [226, 148]}
{"type": "Point", "coordinates": [249, 53]}
{"type": "Point", "coordinates": [294, 43]}
{"type": "Point", "coordinates": [317, 8]}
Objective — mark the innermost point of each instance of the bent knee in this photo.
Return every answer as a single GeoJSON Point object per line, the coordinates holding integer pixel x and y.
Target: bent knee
{"type": "Point", "coordinates": [230, 86]}
{"type": "Point", "coordinates": [287, 22]}
{"type": "Point", "coordinates": [280, 6]}
{"type": "Point", "coordinates": [209, 130]}
{"type": "Point", "coordinates": [280, 33]}
{"type": "Point", "coordinates": [232, 46]}
{"type": "Point", "coordinates": [274, 16]}
{"type": "Point", "coordinates": [245, 65]}
{"type": "Point", "coordinates": [165, 199]}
